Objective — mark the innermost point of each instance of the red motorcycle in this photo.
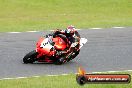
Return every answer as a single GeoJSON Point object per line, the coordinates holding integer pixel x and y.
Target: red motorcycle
{"type": "Point", "coordinates": [47, 47]}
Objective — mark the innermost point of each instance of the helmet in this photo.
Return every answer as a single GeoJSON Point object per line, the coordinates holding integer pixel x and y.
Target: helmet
{"type": "Point", "coordinates": [70, 29]}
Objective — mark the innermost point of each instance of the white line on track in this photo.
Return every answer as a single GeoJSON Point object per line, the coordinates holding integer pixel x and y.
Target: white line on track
{"type": "Point", "coordinates": [65, 74]}
{"type": "Point", "coordinates": [95, 28]}
{"type": "Point", "coordinates": [128, 70]}
{"type": "Point", "coordinates": [51, 30]}
{"type": "Point", "coordinates": [32, 31]}
{"type": "Point", "coordinates": [36, 76]}
{"type": "Point", "coordinates": [113, 71]}
{"type": "Point", "coordinates": [14, 32]}
{"type": "Point", "coordinates": [52, 75]}
{"type": "Point", "coordinates": [78, 29]}
{"type": "Point", "coordinates": [21, 77]}
{"type": "Point", "coordinates": [6, 78]}
{"type": "Point", "coordinates": [118, 27]}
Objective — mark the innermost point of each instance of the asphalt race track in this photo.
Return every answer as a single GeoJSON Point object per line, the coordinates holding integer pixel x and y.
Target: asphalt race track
{"type": "Point", "coordinates": [106, 50]}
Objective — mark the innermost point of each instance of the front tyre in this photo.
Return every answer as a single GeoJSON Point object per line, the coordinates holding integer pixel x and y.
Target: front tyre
{"type": "Point", "coordinates": [30, 57]}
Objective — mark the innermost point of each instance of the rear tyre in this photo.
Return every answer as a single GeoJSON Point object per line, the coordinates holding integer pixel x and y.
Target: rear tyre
{"type": "Point", "coordinates": [73, 56]}
{"type": "Point", "coordinates": [60, 61]}
{"type": "Point", "coordinates": [30, 57]}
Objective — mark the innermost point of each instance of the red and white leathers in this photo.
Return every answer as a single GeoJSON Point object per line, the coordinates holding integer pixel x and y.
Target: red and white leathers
{"type": "Point", "coordinates": [73, 39]}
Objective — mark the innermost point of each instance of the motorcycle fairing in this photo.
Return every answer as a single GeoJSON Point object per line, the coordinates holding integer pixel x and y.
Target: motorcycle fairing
{"type": "Point", "coordinates": [44, 47]}
{"type": "Point", "coordinates": [60, 44]}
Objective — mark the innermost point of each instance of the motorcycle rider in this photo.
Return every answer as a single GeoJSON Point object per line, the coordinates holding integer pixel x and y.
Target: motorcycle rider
{"type": "Point", "coordinates": [73, 38]}
{"type": "Point", "coordinates": [68, 32]}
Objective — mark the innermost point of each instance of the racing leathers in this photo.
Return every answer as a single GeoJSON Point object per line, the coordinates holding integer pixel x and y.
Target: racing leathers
{"type": "Point", "coordinates": [73, 41]}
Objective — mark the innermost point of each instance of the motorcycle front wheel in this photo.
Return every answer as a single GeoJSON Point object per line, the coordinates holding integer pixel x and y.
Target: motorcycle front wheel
{"type": "Point", "coordinates": [30, 57]}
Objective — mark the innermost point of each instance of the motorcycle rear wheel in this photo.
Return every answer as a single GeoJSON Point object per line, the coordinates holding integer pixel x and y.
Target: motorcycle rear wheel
{"type": "Point", "coordinates": [30, 57]}
{"type": "Point", "coordinates": [60, 61]}
{"type": "Point", "coordinates": [75, 55]}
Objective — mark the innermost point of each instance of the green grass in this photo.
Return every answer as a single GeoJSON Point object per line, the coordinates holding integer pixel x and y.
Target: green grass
{"type": "Point", "coordinates": [68, 81]}
{"type": "Point", "coordinates": [23, 15]}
